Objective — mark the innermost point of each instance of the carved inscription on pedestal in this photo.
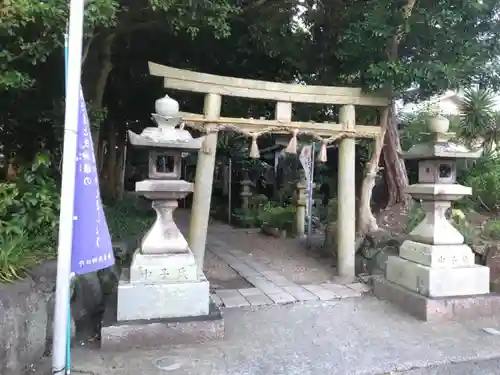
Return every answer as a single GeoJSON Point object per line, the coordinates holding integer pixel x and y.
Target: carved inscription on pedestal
{"type": "Point", "coordinates": [182, 275]}
{"type": "Point", "coordinates": [163, 274]}
{"type": "Point", "coordinates": [145, 273]}
{"type": "Point", "coordinates": [441, 256]}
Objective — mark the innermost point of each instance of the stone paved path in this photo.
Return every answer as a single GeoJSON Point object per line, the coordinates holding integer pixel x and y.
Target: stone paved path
{"type": "Point", "coordinates": [287, 256]}
{"type": "Point", "coordinates": [236, 248]}
{"type": "Point", "coordinates": [271, 287]}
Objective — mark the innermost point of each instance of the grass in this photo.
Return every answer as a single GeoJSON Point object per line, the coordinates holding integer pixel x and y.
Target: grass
{"type": "Point", "coordinates": [20, 254]}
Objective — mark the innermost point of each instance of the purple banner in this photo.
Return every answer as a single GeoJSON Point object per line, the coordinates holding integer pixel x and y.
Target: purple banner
{"type": "Point", "coordinates": [92, 249]}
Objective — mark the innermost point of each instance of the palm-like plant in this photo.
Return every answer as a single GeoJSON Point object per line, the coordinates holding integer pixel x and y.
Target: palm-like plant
{"type": "Point", "coordinates": [480, 122]}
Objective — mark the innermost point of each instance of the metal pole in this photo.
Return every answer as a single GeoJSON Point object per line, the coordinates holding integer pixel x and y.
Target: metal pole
{"type": "Point", "coordinates": [68, 330]}
{"type": "Point", "coordinates": [229, 199]}
{"type": "Point", "coordinates": [65, 239]}
{"type": "Point", "coordinates": [310, 198]}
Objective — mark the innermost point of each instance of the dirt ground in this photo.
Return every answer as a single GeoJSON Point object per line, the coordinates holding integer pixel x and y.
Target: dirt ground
{"type": "Point", "coordinates": [288, 256]}
{"type": "Point", "coordinates": [393, 219]}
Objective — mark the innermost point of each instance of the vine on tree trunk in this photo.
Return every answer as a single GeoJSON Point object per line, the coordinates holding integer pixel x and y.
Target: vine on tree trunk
{"type": "Point", "coordinates": [366, 220]}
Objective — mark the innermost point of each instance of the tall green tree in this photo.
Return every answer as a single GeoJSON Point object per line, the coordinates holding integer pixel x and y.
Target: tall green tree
{"type": "Point", "coordinates": [32, 30]}
{"type": "Point", "coordinates": [395, 45]}
{"type": "Point", "coordinates": [270, 49]}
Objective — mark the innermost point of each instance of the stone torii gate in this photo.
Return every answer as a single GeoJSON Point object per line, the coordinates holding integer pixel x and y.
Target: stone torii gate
{"type": "Point", "coordinates": [210, 122]}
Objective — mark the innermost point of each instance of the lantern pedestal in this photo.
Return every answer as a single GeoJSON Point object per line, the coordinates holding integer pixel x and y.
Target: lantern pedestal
{"type": "Point", "coordinates": [438, 282]}
{"type": "Point", "coordinates": [160, 300]}
{"type": "Point", "coordinates": [163, 280]}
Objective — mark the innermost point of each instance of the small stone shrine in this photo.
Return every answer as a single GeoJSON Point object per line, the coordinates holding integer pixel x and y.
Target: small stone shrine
{"type": "Point", "coordinates": [435, 275]}
{"type": "Point", "coordinates": [164, 280]}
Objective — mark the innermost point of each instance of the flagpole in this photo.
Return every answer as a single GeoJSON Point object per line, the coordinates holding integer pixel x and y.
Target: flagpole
{"type": "Point", "coordinates": [65, 239]}
{"type": "Point", "coordinates": [309, 197]}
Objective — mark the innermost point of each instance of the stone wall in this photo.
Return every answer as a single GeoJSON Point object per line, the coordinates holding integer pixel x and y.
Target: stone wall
{"type": "Point", "coordinates": [24, 315]}
{"type": "Point", "coordinates": [27, 312]}
{"type": "Point", "coordinates": [27, 315]}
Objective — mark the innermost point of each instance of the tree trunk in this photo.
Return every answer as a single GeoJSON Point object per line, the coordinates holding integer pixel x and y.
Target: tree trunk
{"type": "Point", "coordinates": [106, 67]}
{"type": "Point", "coordinates": [395, 174]}
{"type": "Point", "coordinates": [98, 65]}
{"type": "Point", "coordinates": [111, 161]}
{"type": "Point", "coordinates": [120, 166]}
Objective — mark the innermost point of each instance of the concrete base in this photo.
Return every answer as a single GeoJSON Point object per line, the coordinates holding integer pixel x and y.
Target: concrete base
{"type": "Point", "coordinates": [436, 309]}
{"type": "Point", "coordinates": [143, 334]}
{"type": "Point", "coordinates": [139, 301]}
{"type": "Point", "coordinates": [438, 282]}
{"type": "Point", "coordinates": [437, 256]}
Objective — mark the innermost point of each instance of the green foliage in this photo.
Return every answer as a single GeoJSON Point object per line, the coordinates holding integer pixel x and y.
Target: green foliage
{"type": "Point", "coordinates": [19, 254]}
{"type": "Point", "coordinates": [251, 217]}
{"type": "Point", "coordinates": [32, 30]}
{"type": "Point", "coordinates": [127, 218]}
{"type": "Point", "coordinates": [443, 44]}
{"type": "Point", "coordinates": [29, 210]}
{"type": "Point", "coordinates": [484, 179]}
{"type": "Point", "coordinates": [31, 204]}
{"type": "Point", "coordinates": [282, 218]}
{"type": "Point", "coordinates": [492, 229]}
{"type": "Point", "coordinates": [480, 122]}
{"type": "Point", "coordinates": [261, 211]}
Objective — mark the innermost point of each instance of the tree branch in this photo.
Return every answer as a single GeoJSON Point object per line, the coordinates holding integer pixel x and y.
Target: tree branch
{"type": "Point", "coordinates": [87, 48]}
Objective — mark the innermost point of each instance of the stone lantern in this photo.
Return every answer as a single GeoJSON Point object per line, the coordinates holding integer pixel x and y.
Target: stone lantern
{"type": "Point", "coordinates": [435, 271]}
{"type": "Point", "coordinates": [301, 204]}
{"type": "Point", "coordinates": [164, 280]}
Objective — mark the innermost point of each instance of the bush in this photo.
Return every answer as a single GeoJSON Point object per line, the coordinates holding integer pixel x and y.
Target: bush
{"type": "Point", "coordinates": [127, 218]}
{"type": "Point", "coordinates": [29, 215]}
{"type": "Point", "coordinates": [20, 253]}
{"type": "Point", "coordinates": [29, 211]}
{"type": "Point", "coordinates": [492, 229]}
{"type": "Point", "coordinates": [282, 218]}
{"type": "Point", "coordinates": [261, 211]}
{"type": "Point", "coordinates": [484, 179]}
